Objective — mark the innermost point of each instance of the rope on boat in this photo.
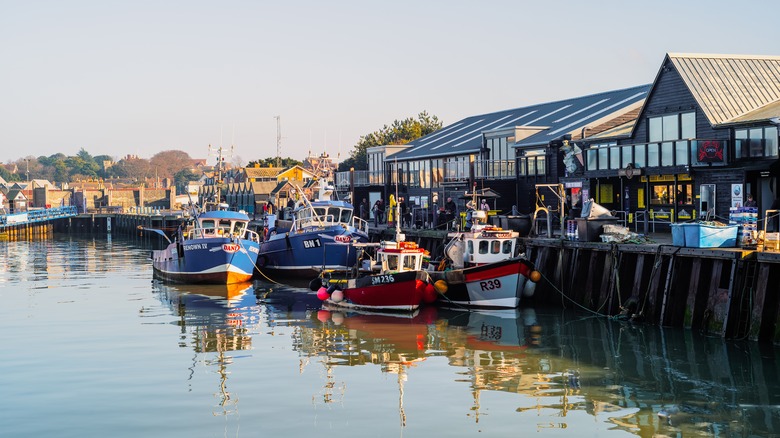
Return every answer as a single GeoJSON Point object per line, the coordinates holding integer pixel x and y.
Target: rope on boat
{"type": "Point", "coordinates": [255, 265]}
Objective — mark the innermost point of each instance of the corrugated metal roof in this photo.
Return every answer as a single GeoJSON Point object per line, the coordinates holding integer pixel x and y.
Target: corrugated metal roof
{"type": "Point", "coordinates": [554, 119]}
{"type": "Point", "coordinates": [727, 87]}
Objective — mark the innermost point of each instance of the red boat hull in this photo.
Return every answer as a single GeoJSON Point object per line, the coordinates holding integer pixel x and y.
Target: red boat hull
{"type": "Point", "coordinates": [402, 291]}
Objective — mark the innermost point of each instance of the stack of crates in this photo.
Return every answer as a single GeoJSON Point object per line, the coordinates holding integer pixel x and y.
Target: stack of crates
{"type": "Point", "coordinates": [772, 230]}
{"type": "Point", "coordinates": [571, 230]}
{"type": "Point", "coordinates": [746, 218]}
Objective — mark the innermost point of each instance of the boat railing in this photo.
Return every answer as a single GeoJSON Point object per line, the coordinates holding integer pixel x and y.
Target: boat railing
{"type": "Point", "coordinates": [360, 224]}
{"type": "Point", "coordinates": [314, 221]}
{"type": "Point", "coordinates": [214, 232]}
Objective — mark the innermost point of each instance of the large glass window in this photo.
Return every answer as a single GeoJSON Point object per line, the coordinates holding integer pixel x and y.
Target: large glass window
{"type": "Point", "coordinates": [756, 142]}
{"type": "Point", "coordinates": [665, 194]}
{"type": "Point", "coordinates": [667, 130]}
{"type": "Point", "coordinates": [437, 172]}
{"type": "Point", "coordinates": [533, 162]}
{"type": "Point", "coordinates": [662, 194]}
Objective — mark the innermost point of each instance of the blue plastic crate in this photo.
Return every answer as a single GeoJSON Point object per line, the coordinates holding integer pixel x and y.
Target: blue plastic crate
{"type": "Point", "coordinates": [678, 234]}
{"type": "Point", "coordinates": [710, 236]}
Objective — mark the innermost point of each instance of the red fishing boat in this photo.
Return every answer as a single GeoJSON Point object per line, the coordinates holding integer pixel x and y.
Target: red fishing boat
{"type": "Point", "coordinates": [393, 280]}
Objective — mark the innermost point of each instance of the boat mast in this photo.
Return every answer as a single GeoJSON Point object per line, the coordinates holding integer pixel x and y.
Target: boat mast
{"type": "Point", "coordinates": [278, 141]}
{"type": "Point", "coordinates": [219, 169]}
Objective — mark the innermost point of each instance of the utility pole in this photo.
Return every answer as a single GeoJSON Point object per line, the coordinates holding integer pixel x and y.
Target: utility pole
{"type": "Point", "coordinates": [278, 141]}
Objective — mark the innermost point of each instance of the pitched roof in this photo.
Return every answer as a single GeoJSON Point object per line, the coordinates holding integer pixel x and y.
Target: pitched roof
{"type": "Point", "coordinates": [549, 121]}
{"type": "Point", "coordinates": [263, 187]}
{"type": "Point", "coordinates": [729, 87]}
{"type": "Point", "coordinates": [262, 172]}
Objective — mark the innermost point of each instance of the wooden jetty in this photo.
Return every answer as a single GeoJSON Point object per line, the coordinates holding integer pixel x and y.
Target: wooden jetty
{"type": "Point", "coordinates": [729, 292]}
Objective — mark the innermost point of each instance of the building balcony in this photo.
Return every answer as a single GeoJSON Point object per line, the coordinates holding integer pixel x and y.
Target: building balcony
{"type": "Point", "coordinates": [691, 153]}
{"type": "Point", "coordinates": [455, 171]}
{"type": "Point", "coordinates": [363, 178]}
{"type": "Point", "coordinates": [494, 169]}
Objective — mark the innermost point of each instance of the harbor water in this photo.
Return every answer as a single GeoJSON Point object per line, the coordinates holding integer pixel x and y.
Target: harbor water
{"type": "Point", "coordinates": [93, 346]}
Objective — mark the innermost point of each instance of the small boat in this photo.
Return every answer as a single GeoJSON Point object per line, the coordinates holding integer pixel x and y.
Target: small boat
{"type": "Point", "coordinates": [394, 282]}
{"type": "Point", "coordinates": [216, 248]}
{"type": "Point", "coordinates": [319, 237]}
{"type": "Point", "coordinates": [484, 270]}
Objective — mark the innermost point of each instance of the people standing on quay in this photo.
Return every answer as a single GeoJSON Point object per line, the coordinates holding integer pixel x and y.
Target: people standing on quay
{"type": "Point", "coordinates": [378, 209]}
{"type": "Point", "coordinates": [469, 215]}
{"type": "Point", "coordinates": [450, 209]}
{"type": "Point", "coordinates": [750, 201]}
{"type": "Point", "coordinates": [402, 204]}
{"type": "Point", "coordinates": [364, 208]}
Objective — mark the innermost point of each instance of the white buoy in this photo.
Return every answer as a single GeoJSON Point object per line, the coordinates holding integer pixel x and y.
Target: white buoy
{"type": "Point", "coordinates": [529, 288]}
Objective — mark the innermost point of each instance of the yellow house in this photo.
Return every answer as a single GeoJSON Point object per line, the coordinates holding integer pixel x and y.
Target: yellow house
{"type": "Point", "coordinates": [296, 175]}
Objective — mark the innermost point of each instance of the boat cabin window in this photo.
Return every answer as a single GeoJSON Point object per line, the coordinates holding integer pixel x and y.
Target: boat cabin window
{"type": "Point", "coordinates": [239, 228]}
{"type": "Point", "coordinates": [207, 223]}
{"type": "Point", "coordinates": [321, 212]}
{"type": "Point", "coordinates": [392, 262]}
{"type": "Point", "coordinates": [507, 247]}
{"type": "Point", "coordinates": [410, 262]}
{"type": "Point", "coordinates": [483, 247]}
{"type": "Point", "coordinates": [495, 247]}
{"type": "Point", "coordinates": [224, 227]}
{"type": "Point", "coordinates": [346, 215]}
{"type": "Point", "coordinates": [470, 247]}
{"type": "Point", "coordinates": [333, 214]}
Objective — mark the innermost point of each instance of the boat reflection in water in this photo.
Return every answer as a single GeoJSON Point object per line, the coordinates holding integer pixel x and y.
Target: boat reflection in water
{"type": "Point", "coordinates": [562, 369]}
{"type": "Point", "coordinates": [563, 365]}
{"type": "Point", "coordinates": [216, 319]}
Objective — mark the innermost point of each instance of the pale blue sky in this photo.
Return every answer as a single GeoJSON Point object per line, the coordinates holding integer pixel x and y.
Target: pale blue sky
{"type": "Point", "coordinates": [139, 77]}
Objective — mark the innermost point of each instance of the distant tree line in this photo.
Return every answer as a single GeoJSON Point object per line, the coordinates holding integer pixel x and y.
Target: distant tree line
{"type": "Point", "coordinates": [399, 132]}
{"type": "Point", "coordinates": [176, 164]}
{"type": "Point", "coordinates": [59, 168]}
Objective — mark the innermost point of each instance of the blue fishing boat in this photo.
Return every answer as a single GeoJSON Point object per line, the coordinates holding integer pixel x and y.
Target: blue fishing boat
{"type": "Point", "coordinates": [320, 236]}
{"type": "Point", "coordinates": [215, 248]}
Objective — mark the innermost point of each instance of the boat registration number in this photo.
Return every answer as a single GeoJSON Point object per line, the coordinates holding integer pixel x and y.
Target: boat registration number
{"type": "Point", "coordinates": [491, 332]}
{"type": "Point", "coordinates": [382, 279]}
{"type": "Point", "coordinates": [312, 243]}
{"type": "Point", "coordinates": [490, 284]}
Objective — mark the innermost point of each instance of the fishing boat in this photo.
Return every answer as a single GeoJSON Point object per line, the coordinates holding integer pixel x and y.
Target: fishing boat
{"type": "Point", "coordinates": [215, 248]}
{"type": "Point", "coordinates": [392, 281]}
{"type": "Point", "coordinates": [214, 245]}
{"type": "Point", "coordinates": [482, 268]}
{"type": "Point", "coordinates": [319, 237]}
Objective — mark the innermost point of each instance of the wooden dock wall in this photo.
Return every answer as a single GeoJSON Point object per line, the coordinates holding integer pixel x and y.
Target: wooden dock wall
{"type": "Point", "coordinates": [27, 231]}
{"type": "Point", "coordinates": [726, 292]}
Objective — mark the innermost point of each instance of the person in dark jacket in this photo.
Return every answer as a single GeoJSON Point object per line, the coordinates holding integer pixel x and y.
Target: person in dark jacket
{"type": "Point", "coordinates": [402, 206]}
{"type": "Point", "coordinates": [450, 209]}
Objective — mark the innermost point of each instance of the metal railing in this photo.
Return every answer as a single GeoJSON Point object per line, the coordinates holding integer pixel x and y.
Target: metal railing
{"type": "Point", "coordinates": [494, 169]}
{"type": "Point", "coordinates": [692, 152]}
{"type": "Point", "coordinates": [362, 178]}
{"type": "Point", "coordinates": [38, 215]}
{"type": "Point", "coordinates": [456, 171]}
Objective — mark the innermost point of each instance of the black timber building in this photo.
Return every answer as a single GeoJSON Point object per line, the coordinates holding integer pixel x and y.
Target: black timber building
{"type": "Point", "coordinates": [689, 145]}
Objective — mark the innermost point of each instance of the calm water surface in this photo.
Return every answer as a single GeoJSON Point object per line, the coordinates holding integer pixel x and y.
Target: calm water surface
{"type": "Point", "coordinates": [92, 346]}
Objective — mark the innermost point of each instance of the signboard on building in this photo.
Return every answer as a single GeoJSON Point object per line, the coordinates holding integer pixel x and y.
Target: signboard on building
{"type": "Point", "coordinates": [736, 195]}
{"type": "Point", "coordinates": [710, 151]}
